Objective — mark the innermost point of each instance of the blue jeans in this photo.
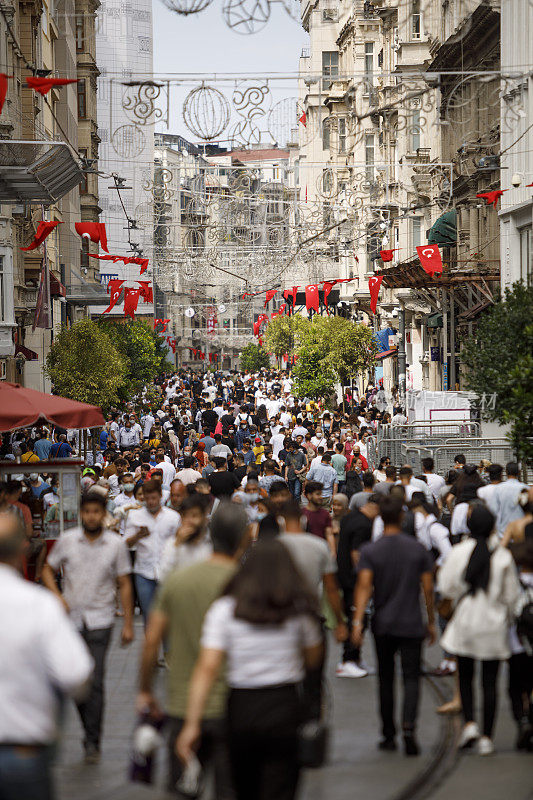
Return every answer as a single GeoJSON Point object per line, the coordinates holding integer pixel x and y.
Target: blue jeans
{"type": "Point", "coordinates": [295, 488]}
{"type": "Point", "coordinates": [25, 773]}
{"type": "Point", "coordinates": [146, 588]}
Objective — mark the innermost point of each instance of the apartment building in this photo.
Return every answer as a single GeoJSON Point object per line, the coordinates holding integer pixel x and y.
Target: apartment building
{"type": "Point", "coordinates": [41, 136]}
{"type": "Point", "coordinates": [396, 151]}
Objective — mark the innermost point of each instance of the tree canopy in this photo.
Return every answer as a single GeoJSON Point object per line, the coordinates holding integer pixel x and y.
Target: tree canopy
{"type": "Point", "coordinates": [254, 358]}
{"type": "Point", "coordinates": [285, 334]}
{"type": "Point", "coordinates": [142, 349]}
{"type": "Point", "coordinates": [499, 365]}
{"type": "Point", "coordinates": [84, 364]}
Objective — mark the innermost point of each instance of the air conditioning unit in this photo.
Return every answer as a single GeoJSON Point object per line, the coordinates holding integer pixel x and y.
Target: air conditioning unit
{"type": "Point", "coordinates": [330, 15]}
{"type": "Point", "coordinates": [425, 358]}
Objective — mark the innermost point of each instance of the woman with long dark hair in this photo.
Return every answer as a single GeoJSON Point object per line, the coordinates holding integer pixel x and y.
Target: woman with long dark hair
{"type": "Point", "coordinates": [480, 578]}
{"type": "Point", "coordinates": [266, 626]}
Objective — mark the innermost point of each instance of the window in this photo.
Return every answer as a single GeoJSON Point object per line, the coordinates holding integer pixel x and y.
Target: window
{"type": "Point", "coordinates": [526, 253]}
{"type": "Point", "coordinates": [342, 135]}
{"type": "Point", "coordinates": [80, 33]}
{"type": "Point", "coordinates": [84, 257]}
{"type": "Point", "coordinates": [2, 290]}
{"type": "Point", "coordinates": [330, 67]}
{"type": "Point", "coordinates": [369, 64]}
{"type": "Point", "coordinates": [415, 130]}
{"type": "Point", "coordinates": [84, 186]}
{"type": "Point", "coordinates": [416, 19]}
{"type": "Point", "coordinates": [416, 232]}
{"type": "Point", "coordinates": [369, 156]}
{"type": "Point", "coordinates": [82, 99]}
{"type": "Point", "coordinates": [326, 134]}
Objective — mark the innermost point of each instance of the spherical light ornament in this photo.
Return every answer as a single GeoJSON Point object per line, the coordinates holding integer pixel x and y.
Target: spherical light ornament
{"type": "Point", "coordinates": [189, 312]}
{"type": "Point", "coordinates": [222, 308]}
{"type": "Point", "coordinates": [246, 16]}
{"type": "Point", "coordinates": [206, 112]}
{"type": "Point", "coordinates": [186, 7]}
{"type": "Point", "coordinates": [128, 141]}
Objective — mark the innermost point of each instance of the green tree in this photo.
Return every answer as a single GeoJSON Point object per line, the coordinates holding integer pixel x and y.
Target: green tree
{"type": "Point", "coordinates": [142, 350]}
{"type": "Point", "coordinates": [349, 348]}
{"type": "Point", "coordinates": [285, 334]}
{"type": "Point", "coordinates": [313, 375]}
{"type": "Point", "coordinates": [84, 364]}
{"type": "Point", "coordinates": [254, 358]}
{"type": "Point", "coordinates": [499, 365]}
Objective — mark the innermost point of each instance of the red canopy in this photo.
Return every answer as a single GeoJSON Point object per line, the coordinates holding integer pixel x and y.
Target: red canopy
{"type": "Point", "coordinates": [20, 407]}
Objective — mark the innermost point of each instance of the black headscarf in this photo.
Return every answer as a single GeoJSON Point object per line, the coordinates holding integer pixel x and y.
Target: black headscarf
{"type": "Point", "coordinates": [481, 525]}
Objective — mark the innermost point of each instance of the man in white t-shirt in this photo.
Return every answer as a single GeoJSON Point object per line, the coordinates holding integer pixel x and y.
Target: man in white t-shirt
{"type": "Point", "coordinates": [188, 474]}
{"type": "Point", "coordinates": [489, 493]}
{"type": "Point", "coordinates": [277, 441]}
{"type": "Point", "coordinates": [435, 482]}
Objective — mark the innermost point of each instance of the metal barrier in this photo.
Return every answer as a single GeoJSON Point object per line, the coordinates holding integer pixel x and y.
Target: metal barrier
{"type": "Point", "coordinates": [398, 442]}
{"type": "Point", "coordinates": [474, 449]}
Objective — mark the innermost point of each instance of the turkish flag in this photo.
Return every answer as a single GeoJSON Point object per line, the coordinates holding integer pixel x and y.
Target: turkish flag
{"type": "Point", "coordinates": [386, 255]}
{"type": "Point", "coordinates": [163, 322]}
{"type": "Point", "coordinates": [171, 343]}
{"type": "Point", "coordinates": [269, 295]}
{"type": "Point", "coordinates": [131, 301]}
{"type": "Point", "coordinates": [114, 287]}
{"type": "Point", "coordinates": [143, 263]}
{"type": "Point", "coordinates": [311, 297]}
{"type": "Point", "coordinates": [292, 294]}
{"type": "Point", "coordinates": [430, 259]}
{"type": "Point", "coordinates": [147, 293]}
{"type": "Point", "coordinates": [491, 198]}
{"type": "Point", "coordinates": [43, 85]}
{"type": "Point", "coordinates": [95, 231]}
{"type": "Point", "coordinates": [328, 286]}
{"type": "Point", "coordinates": [43, 230]}
{"type": "Point", "coordinates": [282, 309]}
{"type": "Point", "coordinates": [3, 88]}
{"type": "Point", "coordinates": [257, 325]}
{"type": "Point", "coordinates": [374, 284]}
{"type": "Point", "coordinates": [285, 357]}
{"type": "Point", "coordinates": [303, 119]}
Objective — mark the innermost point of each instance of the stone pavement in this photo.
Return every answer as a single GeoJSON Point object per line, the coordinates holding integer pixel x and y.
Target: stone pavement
{"type": "Point", "coordinates": [355, 769]}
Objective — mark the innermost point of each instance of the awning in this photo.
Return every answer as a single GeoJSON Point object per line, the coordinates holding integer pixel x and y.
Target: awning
{"type": "Point", "coordinates": [382, 338]}
{"type": "Point", "coordinates": [57, 289]}
{"type": "Point", "coordinates": [29, 355]}
{"type": "Point", "coordinates": [386, 354]}
{"type": "Point", "coordinates": [37, 172]}
{"type": "Point", "coordinates": [21, 407]}
{"type": "Point", "coordinates": [444, 230]}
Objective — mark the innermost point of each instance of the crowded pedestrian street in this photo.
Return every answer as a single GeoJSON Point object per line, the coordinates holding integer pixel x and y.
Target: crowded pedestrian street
{"type": "Point", "coordinates": [266, 400]}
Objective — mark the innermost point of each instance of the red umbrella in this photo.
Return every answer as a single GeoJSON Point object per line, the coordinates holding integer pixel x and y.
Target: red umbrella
{"type": "Point", "coordinates": [20, 407]}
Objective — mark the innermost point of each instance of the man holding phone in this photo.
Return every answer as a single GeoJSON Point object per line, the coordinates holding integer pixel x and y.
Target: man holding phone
{"type": "Point", "coordinates": [152, 526]}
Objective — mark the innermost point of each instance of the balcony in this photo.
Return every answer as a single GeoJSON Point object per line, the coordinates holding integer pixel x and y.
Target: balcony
{"type": "Point", "coordinates": [37, 172]}
{"type": "Point", "coordinates": [87, 294]}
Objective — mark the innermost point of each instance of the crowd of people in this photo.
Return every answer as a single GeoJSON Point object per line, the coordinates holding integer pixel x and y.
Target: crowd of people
{"type": "Point", "coordinates": [243, 523]}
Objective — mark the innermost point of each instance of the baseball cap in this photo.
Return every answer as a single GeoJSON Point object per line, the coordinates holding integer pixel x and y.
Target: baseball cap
{"type": "Point", "coordinates": [257, 440]}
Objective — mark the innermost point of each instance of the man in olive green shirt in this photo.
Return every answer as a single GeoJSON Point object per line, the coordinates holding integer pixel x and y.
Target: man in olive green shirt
{"type": "Point", "coordinates": [177, 616]}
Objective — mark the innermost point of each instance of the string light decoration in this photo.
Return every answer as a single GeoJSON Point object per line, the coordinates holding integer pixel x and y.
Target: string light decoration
{"type": "Point", "coordinates": [128, 141]}
{"type": "Point", "coordinates": [186, 7]}
{"type": "Point", "coordinates": [206, 112]}
{"type": "Point", "coordinates": [246, 16]}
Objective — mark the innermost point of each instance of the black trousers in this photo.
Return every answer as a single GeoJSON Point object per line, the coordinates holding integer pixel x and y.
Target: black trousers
{"type": "Point", "coordinates": [213, 752]}
{"type": "Point", "coordinates": [521, 686]}
{"type": "Point", "coordinates": [262, 725]}
{"type": "Point", "coordinates": [92, 709]}
{"type": "Point", "coordinates": [489, 677]}
{"type": "Point", "coordinates": [349, 651]}
{"type": "Point", "coordinates": [410, 650]}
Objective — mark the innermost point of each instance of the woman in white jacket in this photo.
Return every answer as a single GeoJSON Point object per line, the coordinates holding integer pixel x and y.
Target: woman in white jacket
{"type": "Point", "coordinates": [484, 587]}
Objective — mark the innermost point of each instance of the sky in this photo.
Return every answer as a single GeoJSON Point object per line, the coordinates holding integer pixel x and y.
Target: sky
{"type": "Point", "coordinates": [201, 44]}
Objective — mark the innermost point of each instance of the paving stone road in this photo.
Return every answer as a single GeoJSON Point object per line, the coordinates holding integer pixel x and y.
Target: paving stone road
{"type": "Point", "coordinates": [356, 769]}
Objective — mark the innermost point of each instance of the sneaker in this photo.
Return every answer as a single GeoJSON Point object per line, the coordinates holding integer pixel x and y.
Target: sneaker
{"type": "Point", "coordinates": [350, 670]}
{"type": "Point", "coordinates": [92, 754]}
{"type": "Point", "coordinates": [410, 745]}
{"type": "Point", "coordinates": [485, 746]}
{"type": "Point", "coordinates": [388, 744]}
{"type": "Point", "coordinates": [369, 670]}
{"type": "Point", "coordinates": [468, 735]}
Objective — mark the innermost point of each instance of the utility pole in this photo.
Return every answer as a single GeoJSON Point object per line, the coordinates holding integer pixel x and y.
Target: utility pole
{"type": "Point", "coordinates": [401, 355]}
